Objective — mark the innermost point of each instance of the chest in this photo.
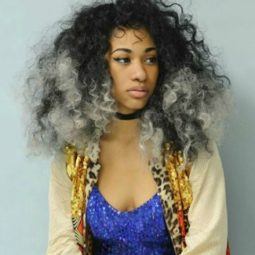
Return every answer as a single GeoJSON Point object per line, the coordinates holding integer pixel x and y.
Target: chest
{"type": "Point", "coordinates": [125, 179]}
{"type": "Point", "coordinates": [141, 231]}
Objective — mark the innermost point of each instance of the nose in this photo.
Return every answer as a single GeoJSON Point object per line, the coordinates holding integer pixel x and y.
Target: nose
{"type": "Point", "coordinates": [138, 71]}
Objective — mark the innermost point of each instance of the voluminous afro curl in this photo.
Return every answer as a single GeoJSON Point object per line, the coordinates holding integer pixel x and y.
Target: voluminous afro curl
{"type": "Point", "coordinates": [68, 90]}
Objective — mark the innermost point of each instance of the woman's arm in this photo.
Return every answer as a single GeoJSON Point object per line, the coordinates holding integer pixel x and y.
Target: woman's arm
{"type": "Point", "coordinates": [61, 236]}
{"type": "Point", "coordinates": [208, 212]}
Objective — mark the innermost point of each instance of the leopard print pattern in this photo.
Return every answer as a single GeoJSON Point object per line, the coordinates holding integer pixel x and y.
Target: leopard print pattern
{"type": "Point", "coordinates": [161, 177]}
{"type": "Point", "coordinates": [91, 179]}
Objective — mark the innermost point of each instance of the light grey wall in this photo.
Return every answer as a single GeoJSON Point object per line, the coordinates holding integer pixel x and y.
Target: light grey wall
{"type": "Point", "coordinates": [23, 182]}
{"type": "Point", "coordinates": [228, 26]}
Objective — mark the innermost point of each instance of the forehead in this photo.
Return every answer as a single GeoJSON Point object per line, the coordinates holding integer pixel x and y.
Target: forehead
{"type": "Point", "coordinates": [130, 37]}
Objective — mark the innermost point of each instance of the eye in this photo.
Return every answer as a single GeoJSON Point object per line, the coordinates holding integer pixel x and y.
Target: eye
{"type": "Point", "coordinates": [122, 60]}
{"type": "Point", "coordinates": [151, 60]}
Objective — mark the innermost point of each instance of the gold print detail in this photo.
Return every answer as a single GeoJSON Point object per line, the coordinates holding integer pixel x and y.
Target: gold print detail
{"type": "Point", "coordinates": [70, 156]}
{"type": "Point", "coordinates": [179, 180]}
{"type": "Point", "coordinates": [76, 167]}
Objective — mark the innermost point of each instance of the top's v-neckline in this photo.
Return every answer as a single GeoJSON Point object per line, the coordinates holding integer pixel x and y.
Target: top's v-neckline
{"type": "Point", "coordinates": [147, 202]}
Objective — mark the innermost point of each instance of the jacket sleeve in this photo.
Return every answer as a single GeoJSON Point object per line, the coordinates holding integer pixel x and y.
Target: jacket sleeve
{"type": "Point", "coordinates": [61, 235]}
{"type": "Point", "coordinates": [207, 215]}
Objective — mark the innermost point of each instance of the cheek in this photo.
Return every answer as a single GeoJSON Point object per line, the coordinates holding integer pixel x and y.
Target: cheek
{"type": "Point", "coordinates": [119, 80]}
{"type": "Point", "coordinates": [118, 87]}
{"type": "Point", "coordinates": [153, 77]}
{"type": "Point", "coordinates": [155, 73]}
{"type": "Point", "coordinates": [116, 75]}
{"type": "Point", "coordinates": [117, 91]}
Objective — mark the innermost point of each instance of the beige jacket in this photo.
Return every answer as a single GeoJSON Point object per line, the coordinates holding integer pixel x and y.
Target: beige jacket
{"type": "Point", "coordinates": [207, 229]}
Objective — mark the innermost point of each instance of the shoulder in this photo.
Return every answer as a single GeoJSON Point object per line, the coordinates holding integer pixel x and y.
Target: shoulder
{"type": "Point", "coordinates": [207, 162]}
{"type": "Point", "coordinates": [58, 166]}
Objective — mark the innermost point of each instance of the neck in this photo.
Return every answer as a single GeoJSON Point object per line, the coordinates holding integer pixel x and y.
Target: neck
{"type": "Point", "coordinates": [125, 131]}
{"type": "Point", "coordinates": [128, 116]}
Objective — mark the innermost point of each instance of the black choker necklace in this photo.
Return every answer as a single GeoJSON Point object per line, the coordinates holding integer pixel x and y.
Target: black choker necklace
{"type": "Point", "coordinates": [129, 116]}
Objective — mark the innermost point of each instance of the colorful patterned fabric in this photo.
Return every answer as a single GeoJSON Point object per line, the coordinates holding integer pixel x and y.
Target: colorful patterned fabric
{"type": "Point", "coordinates": [173, 186]}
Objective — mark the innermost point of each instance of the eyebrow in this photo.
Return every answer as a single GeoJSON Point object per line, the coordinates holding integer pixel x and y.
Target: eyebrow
{"type": "Point", "coordinates": [129, 50]}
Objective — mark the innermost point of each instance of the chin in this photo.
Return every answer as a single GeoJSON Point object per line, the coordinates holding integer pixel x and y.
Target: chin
{"type": "Point", "coordinates": [137, 107]}
{"type": "Point", "coordinates": [132, 106]}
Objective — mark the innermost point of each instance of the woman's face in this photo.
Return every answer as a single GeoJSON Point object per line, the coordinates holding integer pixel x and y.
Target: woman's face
{"type": "Point", "coordinates": [133, 66]}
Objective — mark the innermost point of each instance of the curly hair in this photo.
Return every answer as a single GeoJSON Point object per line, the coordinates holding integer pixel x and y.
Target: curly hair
{"type": "Point", "coordinates": [68, 89]}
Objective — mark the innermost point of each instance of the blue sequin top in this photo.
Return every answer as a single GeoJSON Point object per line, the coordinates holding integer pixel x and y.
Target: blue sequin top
{"type": "Point", "coordinates": [140, 231]}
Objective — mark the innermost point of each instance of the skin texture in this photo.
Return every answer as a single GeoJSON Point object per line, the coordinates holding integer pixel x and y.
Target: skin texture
{"type": "Point", "coordinates": [128, 69]}
{"type": "Point", "coordinates": [124, 173]}
{"type": "Point", "coordinates": [134, 68]}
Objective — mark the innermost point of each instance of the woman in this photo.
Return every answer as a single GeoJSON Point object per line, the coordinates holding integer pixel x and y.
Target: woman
{"type": "Point", "coordinates": [129, 101]}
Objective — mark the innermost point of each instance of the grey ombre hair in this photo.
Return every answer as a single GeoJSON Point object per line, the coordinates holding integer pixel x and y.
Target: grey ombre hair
{"type": "Point", "coordinates": [71, 120]}
{"type": "Point", "coordinates": [68, 90]}
{"type": "Point", "coordinates": [88, 121]}
{"type": "Point", "coordinates": [79, 122]}
{"type": "Point", "coordinates": [201, 99]}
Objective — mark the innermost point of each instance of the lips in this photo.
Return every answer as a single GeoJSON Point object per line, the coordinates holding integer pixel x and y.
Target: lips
{"type": "Point", "coordinates": [138, 92]}
{"type": "Point", "coordinates": [138, 88]}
